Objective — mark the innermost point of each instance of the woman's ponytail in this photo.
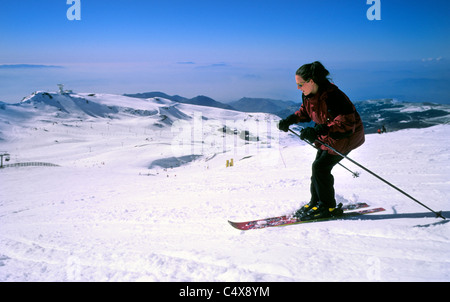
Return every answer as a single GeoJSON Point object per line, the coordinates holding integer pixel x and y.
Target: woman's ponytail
{"type": "Point", "coordinates": [315, 71]}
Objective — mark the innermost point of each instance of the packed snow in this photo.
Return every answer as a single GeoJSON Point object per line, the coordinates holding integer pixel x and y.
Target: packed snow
{"type": "Point", "coordinates": [142, 192]}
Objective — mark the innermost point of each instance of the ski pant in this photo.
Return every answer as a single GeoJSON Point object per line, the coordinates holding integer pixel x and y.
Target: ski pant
{"type": "Point", "coordinates": [322, 181]}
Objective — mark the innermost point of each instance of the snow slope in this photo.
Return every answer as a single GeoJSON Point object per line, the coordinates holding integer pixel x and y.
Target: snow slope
{"type": "Point", "coordinates": [143, 194]}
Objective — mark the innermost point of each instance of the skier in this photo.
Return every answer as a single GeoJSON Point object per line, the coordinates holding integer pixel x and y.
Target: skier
{"type": "Point", "coordinates": [337, 123]}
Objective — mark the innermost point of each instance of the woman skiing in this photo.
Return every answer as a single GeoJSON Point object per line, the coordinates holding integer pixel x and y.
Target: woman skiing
{"type": "Point", "coordinates": [337, 123]}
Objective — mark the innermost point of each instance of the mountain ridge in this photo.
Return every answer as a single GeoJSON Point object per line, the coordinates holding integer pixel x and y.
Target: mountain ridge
{"type": "Point", "coordinates": [200, 100]}
{"type": "Point", "coordinates": [392, 114]}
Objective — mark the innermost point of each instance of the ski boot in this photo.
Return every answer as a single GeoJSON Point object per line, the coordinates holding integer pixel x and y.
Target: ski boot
{"type": "Point", "coordinates": [303, 210]}
{"type": "Point", "coordinates": [321, 211]}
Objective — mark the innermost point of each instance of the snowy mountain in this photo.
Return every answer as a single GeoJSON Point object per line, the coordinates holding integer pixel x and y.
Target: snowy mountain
{"type": "Point", "coordinates": [200, 100]}
{"type": "Point", "coordinates": [143, 192]}
{"type": "Point", "coordinates": [262, 105]}
{"type": "Point", "coordinates": [157, 94]}
{"type": "Point", "coordinates": [394, 115]}
{"type": "Point", "coordinates": [69, 114]}
{"type": "Point", "coordinates": [401, 115]}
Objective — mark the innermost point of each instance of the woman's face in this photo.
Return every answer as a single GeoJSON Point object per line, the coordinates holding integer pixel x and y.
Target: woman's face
{"type": "Point", "coordinates": [307, 87]}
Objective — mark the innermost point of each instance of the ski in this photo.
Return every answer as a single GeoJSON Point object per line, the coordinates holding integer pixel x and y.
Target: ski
{"type": "Point", "coordinates": [347, 207]}
{"type": "Point", "coordinates": [288, 220]}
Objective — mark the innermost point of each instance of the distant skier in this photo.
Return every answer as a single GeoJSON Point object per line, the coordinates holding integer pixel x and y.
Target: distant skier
{"type": "Point", "coordinates": [382, 130]}
{"type": "Point", "coordinates": [338, 124]}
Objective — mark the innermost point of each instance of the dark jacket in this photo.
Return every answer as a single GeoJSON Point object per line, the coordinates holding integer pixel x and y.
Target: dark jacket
{"type": "Point", "coordinates": [330, 106]}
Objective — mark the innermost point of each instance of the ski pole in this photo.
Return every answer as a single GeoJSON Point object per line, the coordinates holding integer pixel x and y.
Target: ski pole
{"type": "Point", "coordinates": [438, 214]}
{"type": "Point", "coordinates": [355, 174]}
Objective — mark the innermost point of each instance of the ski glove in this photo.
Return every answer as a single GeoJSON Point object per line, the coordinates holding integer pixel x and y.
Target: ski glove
{"type": "Point", "coordinates": [311, 133]}
{"type": "Point", "coordinates": [284, 124]}
{"type": "Point", "coordinates": [321, 129]}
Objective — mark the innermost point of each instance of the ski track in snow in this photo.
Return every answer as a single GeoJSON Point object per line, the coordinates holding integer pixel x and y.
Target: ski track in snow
{"type": "Point", "coordinates": [108, 214]}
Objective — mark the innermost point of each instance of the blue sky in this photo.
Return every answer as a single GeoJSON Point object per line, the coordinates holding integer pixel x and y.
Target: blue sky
{"type": "Point", "coordinates": [226, 49]}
